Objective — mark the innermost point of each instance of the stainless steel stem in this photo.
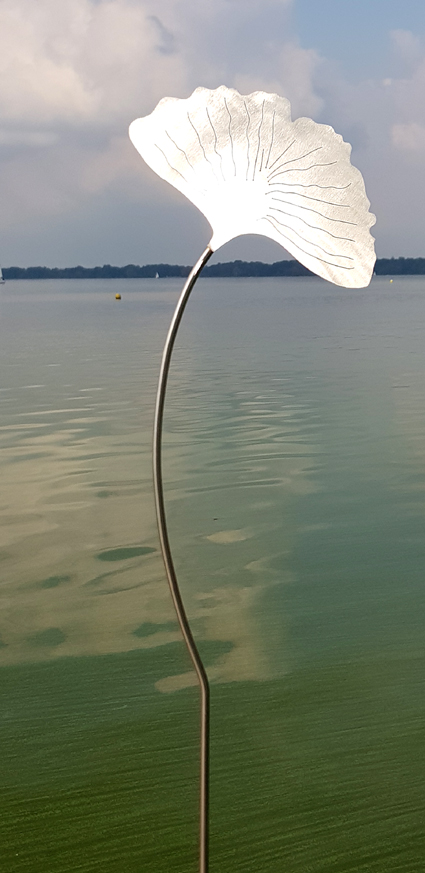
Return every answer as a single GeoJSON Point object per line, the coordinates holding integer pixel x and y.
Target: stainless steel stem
{"type": "Point", "coordinates": [168, 560]}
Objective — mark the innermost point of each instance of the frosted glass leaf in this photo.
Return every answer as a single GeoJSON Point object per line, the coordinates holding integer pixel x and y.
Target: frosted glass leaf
{"type": "Point", "coordinates": [250, 169]}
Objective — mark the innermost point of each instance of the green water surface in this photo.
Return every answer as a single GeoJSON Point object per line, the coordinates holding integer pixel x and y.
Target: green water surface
{"type": "Point", "coordinates": [294, 462]}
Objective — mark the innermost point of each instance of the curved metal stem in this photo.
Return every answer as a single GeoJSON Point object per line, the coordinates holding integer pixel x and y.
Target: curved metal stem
{"type": "Point", "coordinates": [168, 560]}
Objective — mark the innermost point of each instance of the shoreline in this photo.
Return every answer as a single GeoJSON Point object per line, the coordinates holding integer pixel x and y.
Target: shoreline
{"type": "Point", "coordinates": [231, 269]}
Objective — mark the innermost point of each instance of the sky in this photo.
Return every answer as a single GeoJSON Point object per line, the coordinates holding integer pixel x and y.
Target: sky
{"type": "Point", "coordinates": [75, 73]}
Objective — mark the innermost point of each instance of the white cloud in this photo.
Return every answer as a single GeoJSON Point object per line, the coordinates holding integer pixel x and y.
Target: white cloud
{"type": "Point", "coordinates": [39, 81]}
{"type": "Point", "coordinates": [80, 61]}
{"type": "Point", "coordinates": [70, 72]}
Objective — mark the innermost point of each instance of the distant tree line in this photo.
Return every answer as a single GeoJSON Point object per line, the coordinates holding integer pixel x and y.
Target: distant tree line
{"type": "Point", "coordinates": [131, 271]}
{"type": "Point", "coordinates": [400, 267]}
{"type": "Point", "coordinates": [383, 267]}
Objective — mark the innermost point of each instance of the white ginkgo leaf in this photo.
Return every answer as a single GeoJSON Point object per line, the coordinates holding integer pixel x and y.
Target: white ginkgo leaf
{"type": "Point", "coordinates": [250, 169]}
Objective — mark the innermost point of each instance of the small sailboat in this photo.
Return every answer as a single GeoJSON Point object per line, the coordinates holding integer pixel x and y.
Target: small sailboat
{"type": "Point", "coordinates": [156, 275]}
{"type": "Point", "coordinates": [2, 280]}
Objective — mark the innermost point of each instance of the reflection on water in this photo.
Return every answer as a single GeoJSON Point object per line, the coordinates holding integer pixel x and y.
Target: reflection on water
{"type": "Point", "coordinates": [77, 520]}
{"type": "Point", "coordinates": [293, 465]}
{"type": "Point", "coordinates": [235, 462]}
{"type": "Point", "coordinates": [277, 414]}
{"type": "Point", "coordinates": [79, 552]}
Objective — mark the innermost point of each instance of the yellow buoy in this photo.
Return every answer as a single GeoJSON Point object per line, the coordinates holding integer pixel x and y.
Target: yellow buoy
{"type": "Point", "coordinates": [117, 296]}
{"type": "Point", "coordinates": [391, 280]}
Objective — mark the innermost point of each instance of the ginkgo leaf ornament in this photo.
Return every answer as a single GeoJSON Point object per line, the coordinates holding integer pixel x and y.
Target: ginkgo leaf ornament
{"type": "Point", "coordinates": [250, 169]}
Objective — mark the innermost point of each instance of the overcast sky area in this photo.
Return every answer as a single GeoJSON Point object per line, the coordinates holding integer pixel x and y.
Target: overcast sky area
{"type": "Point", "coordinates": [75, 73]}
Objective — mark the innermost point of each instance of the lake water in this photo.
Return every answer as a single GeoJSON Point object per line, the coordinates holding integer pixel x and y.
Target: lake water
{"type": "Point", "coordinates": [294, 465]}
